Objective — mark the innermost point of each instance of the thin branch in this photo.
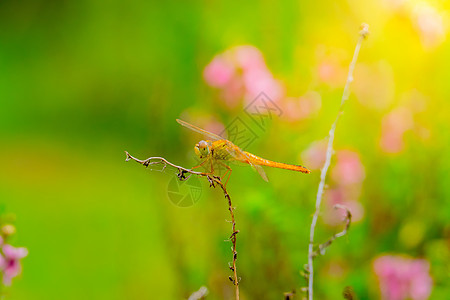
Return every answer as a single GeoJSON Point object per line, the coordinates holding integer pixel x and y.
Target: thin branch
{"type": "Point", "coordinates": [289, 295]}
{"type": "Point", "coordinates": [184, 174]}
{"type": "Point", "coordinates": [348, 221]}
{"type": "Point", "coordinates": [362, 35]}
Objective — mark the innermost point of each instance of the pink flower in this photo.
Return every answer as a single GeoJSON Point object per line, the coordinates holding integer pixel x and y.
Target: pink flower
{"type": "Point", "coordinates": [403, 278]}
{"type": "Point", "coordinates": [310, 104]}
{"type": "Point", "coordinates": [348, 169]}
{"type": "Point", "coordinates": [241, 72]}
{"type": "Point", "coordinates": [314, 156]}
{"type": "Point", "coordinates": [393, 127]}
{"type": "Point", "coordinates": [261, 80]}
{"type": "Point", "coordinates": [303, 107]}
{"type": "Point", "coordinates": [249, 57]}
{"type": "Point", "coordinates": [219, 71]}
{"type": "Point", "coordinates": [327, 71]}
{"type": "Point", "coordinates": [233, 91]}
{"type": "Point", "coordinates": [330, 71]}
{"type": "Point", "coordinates": [400, 119]}
{"type": "Point", "coordinates": [392, 142]}
{"type": "Point", "coordinates": [430, 25]}
{"type": "Point", "coordinates": [215, 126]}
{"type": "Point", "coordinates": [10, 262]}
{"type": "Point", "coordinates": [291, 109]}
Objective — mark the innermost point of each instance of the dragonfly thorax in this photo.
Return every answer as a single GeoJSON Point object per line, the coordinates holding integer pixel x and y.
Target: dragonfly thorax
{"type": "Point", "coordinates": [202, 149]}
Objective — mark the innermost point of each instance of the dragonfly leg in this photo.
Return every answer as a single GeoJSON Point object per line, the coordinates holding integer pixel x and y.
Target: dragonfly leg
{"type": "Point", "coordinates": [200, 165]}
{"type": "Point", "coordinates": [211, 172]}
{"type": "Point", "coordinates": [212, 168]}
{"type": "Point", "coordinates": [229, 170]}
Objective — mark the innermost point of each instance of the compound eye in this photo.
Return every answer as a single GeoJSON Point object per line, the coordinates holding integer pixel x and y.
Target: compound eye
{"type": "Point", "coordinates": [202, 144]}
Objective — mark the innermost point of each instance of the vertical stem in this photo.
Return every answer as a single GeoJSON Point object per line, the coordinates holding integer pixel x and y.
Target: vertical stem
{"type": "Point", "coordinates": [233, 241]}
{"type": "Point", "coordinates": [323, 173]}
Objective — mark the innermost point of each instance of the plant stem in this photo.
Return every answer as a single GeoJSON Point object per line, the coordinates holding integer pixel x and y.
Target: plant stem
{"type": "Point", "coordinates": [362, 35]}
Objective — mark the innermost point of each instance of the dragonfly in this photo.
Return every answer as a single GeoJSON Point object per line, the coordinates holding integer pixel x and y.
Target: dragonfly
{"type": "Point", "coordinates": [218, 150]}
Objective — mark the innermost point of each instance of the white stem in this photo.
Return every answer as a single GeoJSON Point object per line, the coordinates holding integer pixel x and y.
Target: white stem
{"type": "Point", "coordinates": [323, 173]}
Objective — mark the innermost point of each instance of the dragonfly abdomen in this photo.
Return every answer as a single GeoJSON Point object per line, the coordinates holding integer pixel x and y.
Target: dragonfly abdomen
{"type": "Point", "coordinates": [265, 162]}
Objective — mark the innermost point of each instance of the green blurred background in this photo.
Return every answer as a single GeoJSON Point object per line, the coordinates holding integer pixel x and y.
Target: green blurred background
{"type": "Point", "coordinates": [82, 81]}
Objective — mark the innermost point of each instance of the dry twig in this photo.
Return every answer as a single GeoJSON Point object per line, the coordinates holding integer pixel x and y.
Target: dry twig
{"type": "Point", "coordinates": [347, 219]}
{"type": "Point", "coordinates": [184, 174]}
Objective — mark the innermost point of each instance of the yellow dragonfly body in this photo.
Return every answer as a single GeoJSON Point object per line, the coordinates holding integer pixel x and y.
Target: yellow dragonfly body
{"type": "Point", "coordinates": [218, 149]}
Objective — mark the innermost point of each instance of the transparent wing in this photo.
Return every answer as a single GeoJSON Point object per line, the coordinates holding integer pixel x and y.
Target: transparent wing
{"type": "Point", "coordinates": [260, 171]}
{"type": "Point", "coordinates": [240, 155]}
{"type": "Point", "coordinates": [211, 135]}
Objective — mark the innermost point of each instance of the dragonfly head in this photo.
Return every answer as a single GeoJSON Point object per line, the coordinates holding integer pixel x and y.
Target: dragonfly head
{"type": "Point", "coordinates": [202, 149]}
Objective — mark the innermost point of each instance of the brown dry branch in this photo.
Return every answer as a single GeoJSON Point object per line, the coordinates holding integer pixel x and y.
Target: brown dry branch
{"type": "Point", "coordinates": [323, 173]}
{"type": "Point", "coordinates": [349, 293]}
{"type": "Point", "coordinates": [184, 174]}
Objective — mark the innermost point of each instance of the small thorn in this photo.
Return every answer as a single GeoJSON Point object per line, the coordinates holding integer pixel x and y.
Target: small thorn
{"type": "Point", "coordinates": [230, 266]}
{"type": "Point", "coordinates": [306, 268]}
{"type": "Point", "coordinates": [234, 234]}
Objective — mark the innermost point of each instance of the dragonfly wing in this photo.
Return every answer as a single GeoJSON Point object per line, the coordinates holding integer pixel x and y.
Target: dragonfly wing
{"type": "Point", "coordinates": [211, 135]}
{"type": "Point", "coordinates": [261, 172]}
{"type": "Point", "coordinates": [236, 152]}
{"type": "Point", "coordinates": [240, 155]}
